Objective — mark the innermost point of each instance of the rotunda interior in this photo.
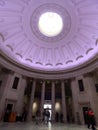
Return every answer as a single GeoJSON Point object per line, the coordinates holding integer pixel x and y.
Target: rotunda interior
{"type": "Point", "coordinates": [48, 60]}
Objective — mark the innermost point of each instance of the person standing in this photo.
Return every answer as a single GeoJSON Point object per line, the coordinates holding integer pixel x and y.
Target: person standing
{"type": "Point", "coordinates": [57, 117]}
{"type": "Point", "coordinates": [45, 118]}
{"type": "Point", "coordinates": [37, 117]}
{"type": "Point", "coordinates": [48, 116]}
{"type": "Point", "coordinates": [61, 118]}
{"type": "Point", "coordinates": [91, 119]}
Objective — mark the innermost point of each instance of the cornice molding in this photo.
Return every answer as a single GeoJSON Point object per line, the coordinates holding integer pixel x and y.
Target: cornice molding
{"type": "Point", "coordinates": [80, 70]}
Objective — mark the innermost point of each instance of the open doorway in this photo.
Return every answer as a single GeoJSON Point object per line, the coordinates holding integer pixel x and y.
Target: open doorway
{"type": "Point", "coordinates": [84, 113]}
{"type": "Point", "coordinates": [49, 107]}
{"type": "Point", "coordinates": [8, 111]}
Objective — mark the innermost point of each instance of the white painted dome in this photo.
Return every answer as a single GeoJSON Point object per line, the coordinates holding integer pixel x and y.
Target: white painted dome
{"type": "Point", "coordinates": [75, 43]}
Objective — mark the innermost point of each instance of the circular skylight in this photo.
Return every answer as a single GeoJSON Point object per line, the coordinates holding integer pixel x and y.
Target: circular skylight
{"type": "Point", "coordinates": [50, 24]}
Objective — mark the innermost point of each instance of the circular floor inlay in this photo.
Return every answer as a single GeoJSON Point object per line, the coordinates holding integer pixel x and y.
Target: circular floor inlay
{"type": "Point", "coordinates": [50, 24]}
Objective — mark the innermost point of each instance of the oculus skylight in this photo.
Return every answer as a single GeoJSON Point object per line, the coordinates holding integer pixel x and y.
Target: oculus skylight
{"type": "Point", "coordinates": [50, 24]}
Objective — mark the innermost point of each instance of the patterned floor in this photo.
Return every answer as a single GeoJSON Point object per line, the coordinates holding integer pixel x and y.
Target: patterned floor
{"type": "Point", "coordinates": [32, 126]}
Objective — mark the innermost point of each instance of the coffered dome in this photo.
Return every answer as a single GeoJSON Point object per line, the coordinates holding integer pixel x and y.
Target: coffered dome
{"type": "Point", "coordinates": [22, 41]}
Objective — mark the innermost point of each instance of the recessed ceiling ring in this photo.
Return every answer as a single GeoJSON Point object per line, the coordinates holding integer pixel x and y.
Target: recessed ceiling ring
{"type": "Point", "coordinates": [51, 7]}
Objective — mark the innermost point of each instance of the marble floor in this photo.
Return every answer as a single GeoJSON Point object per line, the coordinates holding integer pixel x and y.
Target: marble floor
{"type": "Point", "coordinates": [33, 126]}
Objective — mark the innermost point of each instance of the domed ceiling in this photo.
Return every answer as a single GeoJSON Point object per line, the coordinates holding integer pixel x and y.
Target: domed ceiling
{"type": "Point", "coordinates": [24, 44]}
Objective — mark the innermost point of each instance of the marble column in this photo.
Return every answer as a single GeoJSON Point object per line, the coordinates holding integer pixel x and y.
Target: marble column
{"type": "Point", "coordinates": [75, 98]}
{"type": "Point", "coordinates": [42, 97]}
{"type": "Point", "coordinates": [29, 118]}
{"type": "Point", "coordinates": [63, 102]}
{"type": "Point", "coordinates": [21, 90]}
{"type": "Point", "coordinates": [5, 87]}
{"type": "Point", "coordinates": [53, 101]}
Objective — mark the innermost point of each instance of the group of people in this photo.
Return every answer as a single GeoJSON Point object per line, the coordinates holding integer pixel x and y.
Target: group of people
{"type": "Point", "coordinates": [45, 118]}
{"type": "Point", "coordinates": [90, 119]}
